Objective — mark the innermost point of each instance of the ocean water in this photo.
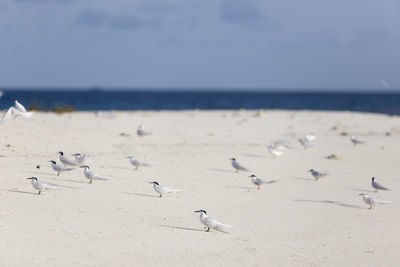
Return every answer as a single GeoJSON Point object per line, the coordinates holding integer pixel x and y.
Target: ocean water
{"type": "Point", "coordinates": [387, 103]}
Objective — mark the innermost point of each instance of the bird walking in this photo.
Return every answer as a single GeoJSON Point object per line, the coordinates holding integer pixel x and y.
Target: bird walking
{"type": "Point", "coordinates": [377, 186]}
{"type": "Point", "coordinates": [210, 223]}
{"type": "Point", "coordinates": [66, 161]}
{"type": "Point", "coordinates": [59, 168]}
{"type": "Point", "coordinates": [89, 174]}
{"type": "Point", "coordinates": [40, 186]}
{"type": "Point", "coordinates": [163, 190]}
{"type": "Point", "coordinates": [237, 166]}
{"type": "Point", "coordinates": [258, 182]}
{"type": "Point", "coordinates": [141, 131]}
{"type": "Point", "coordinates": [135, 162]}
{"type": "Point", "coordinates": [372, 201]}
{"type": "Point", "coordinates": [316, 174]}
{"type": "Point", "coordinates": [356, 141]}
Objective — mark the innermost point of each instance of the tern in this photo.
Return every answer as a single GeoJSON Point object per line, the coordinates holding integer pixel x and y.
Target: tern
{"type": "Point", "coordinates": [307, 140]}
{"type": "Point", "coordinates": [136, 162]}
{"type": "Point", "coordinates": [79, 158]}
{"type": "Point", "coordinates": [17, 110]}
{"type": "Point", "coordinates": [91, 175]}
{"type": "Point", "coordinates": [40, 186]}
{"type": "Point", "coordinates": [355, 141]}
{"type": "Point", "coordinates": [211, 223]}
{"type": "Point", "coordinates": [377, 186]}
{"type": "Point", "coordinates": [258, 182]}
{"type": "Point", "coordinates": [141, 131]}
{"type": "Point", "coordinates": [65, 160]}
{"type": "Point", "coordinates": [372, 201]}
{"type": "Point", "coordinates": [237, 166]}
{"type": "Point", "coordinates": [274, 151]}
{"type": "Point", "coordinates": [59, 168]}
{"type": "Point", "coordinates": [317, 174]}
{"type": "Point", "coordinates": [163, 190]}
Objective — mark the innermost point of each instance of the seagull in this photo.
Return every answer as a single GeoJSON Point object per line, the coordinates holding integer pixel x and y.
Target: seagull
{"type": "Point", "coordinates": [141, 131]}
{"type": "Point", "coordinates": [59, 168]}
{"type": "Point", "coordinates": [258, 182]}
{"type": "Point", "coordinates": [163, 190]}
{"type": "Point", "coordinates": [39, 185]}
{"type": "Point", "coordinates": [355, 141]}
{"type": "Point", "coordinates": [274, 151]}
{"type": "Point", "coordinates": [91, 175]}
{"type": "Point", "coordinates": [307, 140]}
{"type": "Point", "coordinates": [237, 166]}
{"type": "Point", "coordinates": [17, 110]}
{"type": "Point", "coordinates": [372, 201]}
{"type": "Point", "coordinates": [317, 174]}
{"type": "Point", "coordinates": [136, 162]}
{"type": "Point", "coordinates": [211, 223]}
{"type": "Point", "coordinates": [65, 160]}
{"type": "Point", "coordinates": [377, 186]}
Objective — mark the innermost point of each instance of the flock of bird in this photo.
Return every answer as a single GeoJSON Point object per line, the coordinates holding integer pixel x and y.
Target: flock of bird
{"type": "Point", "coordinates": [276, 149]}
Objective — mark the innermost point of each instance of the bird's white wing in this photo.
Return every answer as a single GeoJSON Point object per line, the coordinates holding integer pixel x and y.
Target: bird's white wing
{"type": "Point", "coordinates": [19, 107]}
{"type": "Point", "coordinates": [9, 114]}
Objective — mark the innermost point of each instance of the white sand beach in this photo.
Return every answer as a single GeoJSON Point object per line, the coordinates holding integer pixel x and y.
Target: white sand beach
{"type": "Point", "coordinates": [122, 222]}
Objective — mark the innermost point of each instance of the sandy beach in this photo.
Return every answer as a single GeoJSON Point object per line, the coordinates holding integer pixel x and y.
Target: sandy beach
{"type": "Point", "coordinates": [122, 222]}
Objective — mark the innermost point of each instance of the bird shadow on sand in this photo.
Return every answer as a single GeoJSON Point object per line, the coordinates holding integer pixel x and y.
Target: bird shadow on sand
{"type": "Point", "coordinates": [359, 190]}
{"type": "Point", "coordinates": [239, 187]}
{"type": "Point", "coordinates": [181, 228]}
{"type": "Point", "coordinates": [41, 173]}
{"type": "Point", "coordinates": [304, 179]}
{"type": "Point", "coordinates": [254, 156]}
{"type": "Point", "coordinates": [21, 192]}
{"type": "Point", "coordinates": [142, 195]}
{"type": "Point", "coordinates": [69, 180]}
{"type": "Point", "coordinates": [329, 202]}
{"type": "Point", "coordinates": [219, 170]}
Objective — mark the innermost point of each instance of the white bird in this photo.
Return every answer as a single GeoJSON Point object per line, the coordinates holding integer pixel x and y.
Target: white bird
{"type": "Point", "coordinates": [237, 166]}
{"type": "Point", "coordinates": [59, 168]}
{"type": "Point", "coordinates": [17, 110]}
{"type": "Point", "coordinates": [317, 174]}
{"type": "Point", "coordinates": [81, 159]}
{"type": "Point", "coordinates": [258, 182]}
{"type": "Point", "coordinates": [135, 162]}
{"type": "Point", "coordinates": [91, 175]}
{"type": "Point", "coordinates": [141, 131]}
{"type": "Point", "coordinates": [65, 160]}
{"type": "Point", "coordinates": [274, 151]}
{"type": "Point", "coordinates": [372, 201]}
{"type": "Point", "coordinates": [211, 223]}
{"type": "Point", "coordinates": [163, 190]}
{"type": "Point", "coordinates": [40, 186]}
{"type": "Point", "coordinates": [307, 140]}
{"type": "Point", "coordinates": [377, 186]}
{"type": "Point", "coordinates": [355, 141]}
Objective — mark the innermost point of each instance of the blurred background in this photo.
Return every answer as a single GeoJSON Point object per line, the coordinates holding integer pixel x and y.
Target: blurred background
{"type": "Point", "coordinates": [186, 54]}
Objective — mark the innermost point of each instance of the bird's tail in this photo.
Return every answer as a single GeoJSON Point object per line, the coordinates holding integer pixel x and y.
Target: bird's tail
{"type": "Point", "coordinates": [223, 227]}
{"type": "Point", "coordinates": [174, 190]}
{"type": "Point", "coordinates": [51, 186]}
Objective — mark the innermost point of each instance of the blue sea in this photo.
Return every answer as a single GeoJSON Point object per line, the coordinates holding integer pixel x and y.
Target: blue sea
{"type": "Point", "coordinates": [386, 103]}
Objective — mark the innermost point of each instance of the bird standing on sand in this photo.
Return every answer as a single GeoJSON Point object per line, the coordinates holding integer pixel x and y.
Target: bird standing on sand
{"type": "Point", "coordinates": [40, 186]}
{"type": "Point", "coordinates": [91, 175]}
{"type": "Point", "coordinates": [135, 162]}
{"type": "Point", "coordinates": [17, 110]}
{"type": "Point", "coordinates": [317, 174]}
{"type": "Point", "coordinates": [237, 166]}
{"type": "Point", "coordinates": [211, 223]}
{"type": "Point", "coordinates": [163, 190]}
{"type": "Point", "coordinates": [258, 182]}
{"type": "Point", "coordinates": [275, 152]}
{"type": "Point", "coordinates": [355, 141]}
{"type": "Point", "coordinates": [65, 160]}
{"type": "Point", "coordinates": [59, 168]}
{"type": "Point", "coordinates": [372, 201]}
{"type": "Point", "coordinates": [307, 140]}
{"type": "Point", "coordinates": [79, 158]}
{"type": "Point", "coordinates": [377, 186]}
{"type": "Point", "coordinates": [141, 131]}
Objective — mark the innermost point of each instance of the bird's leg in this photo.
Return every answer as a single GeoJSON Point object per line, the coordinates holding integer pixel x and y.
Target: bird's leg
{"type": "Point", "coordinates": [160, 195]}
{"type": "Point", "coordinates": [90, 181]}
{"type": "Point", "coordinates": [136, 168]}
{"type": "Point", "coordinates": [370, 206]}
{"type": "Point", "coordinates": [58, 174]}
{"type": "Point", "coordinates": [258, 187]}
{"type": "Point", "coordinates": [39, 192]}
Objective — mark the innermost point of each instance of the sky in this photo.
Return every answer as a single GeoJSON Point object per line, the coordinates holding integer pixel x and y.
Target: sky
{"type": "Point", "coordinates": [210, 44]}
